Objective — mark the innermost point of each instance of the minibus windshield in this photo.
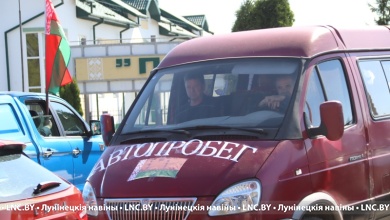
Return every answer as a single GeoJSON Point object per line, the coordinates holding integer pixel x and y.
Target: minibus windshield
{"type": "Point", "coordinates": [238, 93]}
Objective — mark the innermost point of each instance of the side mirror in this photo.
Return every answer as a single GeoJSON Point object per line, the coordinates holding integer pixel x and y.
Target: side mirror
{"type": "Point", "coordinates": [107, 128]}
{"type": "Point", "coordinates": [332, 121]}
{"type": "Point", "coordinates": [95, 127]}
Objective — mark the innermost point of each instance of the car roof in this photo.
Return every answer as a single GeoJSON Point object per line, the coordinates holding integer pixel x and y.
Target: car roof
{"type": "Point", "coordinates": [19, 94]}
{"type": "Point", "coordinates": [297, 41]}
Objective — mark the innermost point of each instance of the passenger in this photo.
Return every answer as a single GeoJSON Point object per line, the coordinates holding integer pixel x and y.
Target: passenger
{"type": "Point", "coordinates": [199, 105]}
{"type": "Point", "coordinates": [46, 129]}
{"type": "Point", "coordinates": [279, 102]}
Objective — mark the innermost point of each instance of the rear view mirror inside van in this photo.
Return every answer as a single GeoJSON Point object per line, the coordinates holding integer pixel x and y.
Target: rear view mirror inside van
{"type": "Point", "coordinates": [266, 66]}
{"type": "Point", "coordinates": [332, 121]}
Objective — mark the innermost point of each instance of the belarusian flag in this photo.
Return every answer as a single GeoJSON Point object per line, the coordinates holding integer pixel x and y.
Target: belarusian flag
{"type": "Point", "coordinates": [57, 53]}
{"type": "Point", "coordinates": [157, 167]}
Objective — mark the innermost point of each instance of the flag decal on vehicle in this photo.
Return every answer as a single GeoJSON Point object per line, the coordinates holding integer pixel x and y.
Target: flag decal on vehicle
{"type": "Point", "coordinates": [157, 167]}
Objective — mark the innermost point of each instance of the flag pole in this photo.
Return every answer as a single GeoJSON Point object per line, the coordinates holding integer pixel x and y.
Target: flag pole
{"type": "Point", "coordinates": [21, 45]}
{"type": "Point", "coordinates": [46, 87]}
{"type": "Point", "coordinates": [47, 103]}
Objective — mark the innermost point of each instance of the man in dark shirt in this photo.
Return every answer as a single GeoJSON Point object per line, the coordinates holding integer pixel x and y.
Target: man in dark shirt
{"type": "Point", "coordinates": [199, 105]}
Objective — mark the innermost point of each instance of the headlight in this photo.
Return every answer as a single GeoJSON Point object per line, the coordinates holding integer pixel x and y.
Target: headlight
{"type": "Point", "coordinates": [90, 200]}
{"type": "Point", "coordinates": [239, 198]}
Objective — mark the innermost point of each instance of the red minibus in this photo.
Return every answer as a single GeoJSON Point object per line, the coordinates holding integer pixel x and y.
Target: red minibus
{"type": "Point", "coordinates": [281, 123]}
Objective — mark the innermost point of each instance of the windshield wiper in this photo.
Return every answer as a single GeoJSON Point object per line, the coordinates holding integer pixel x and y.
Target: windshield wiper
{"type": "Point", "coordinates": [41, 187]}
{"type": "Point", "coordinates": [253, 130]}
{"type": "Point", "coordinates": [176, 131]}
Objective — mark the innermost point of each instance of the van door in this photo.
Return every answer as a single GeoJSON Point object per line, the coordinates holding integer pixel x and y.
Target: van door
{"type": "Point", "coordinates": [375, 74]}
{"type": "Point", "coordinates": [338, 168]}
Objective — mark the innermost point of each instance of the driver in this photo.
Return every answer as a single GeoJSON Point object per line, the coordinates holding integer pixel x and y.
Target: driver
{"type": "Point", "coordinates": [199, 105]}
{"type": "Point", "coordinates": [279, 102]}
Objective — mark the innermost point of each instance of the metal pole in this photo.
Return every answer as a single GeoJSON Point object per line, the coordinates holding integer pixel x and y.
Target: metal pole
{"type": "Point", "coordinates": [21, 45]}
{"type": "Point", "coordinates": [97, 106]}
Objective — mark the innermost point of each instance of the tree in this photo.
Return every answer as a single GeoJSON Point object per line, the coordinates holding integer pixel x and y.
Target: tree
{"type": "Point", "coordinates": [260, 14]}
{"type": "Point", "coordinates": [71, 94]}
{"type": "Point", "coordinates": [382, 10]}
{"type": "Point", "coordinates": [243, 17]}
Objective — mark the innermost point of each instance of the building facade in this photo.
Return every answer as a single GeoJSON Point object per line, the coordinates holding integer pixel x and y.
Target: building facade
{"type": "Point", "coordinates": [114, 46]}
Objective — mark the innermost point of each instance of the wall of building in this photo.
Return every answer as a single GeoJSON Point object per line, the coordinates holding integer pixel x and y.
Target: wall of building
{"type": "Point", "coordinates": [75, 29]}
{"type": "Point", "coordinates": [88, 40]}
{"type": "Point", "coordinates": [107, 87]}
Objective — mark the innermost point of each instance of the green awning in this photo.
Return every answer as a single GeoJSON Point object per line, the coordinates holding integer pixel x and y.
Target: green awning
{"type": "Point", "coordinates": [93, 11]}
{"type": "Point", "coordinates": [179, 20]}
{"type": "Point", "coordinates": [199, 20]}
{"type": "Point", "coordinates": [145, 6]}
{"type": "Point", "coordinates": [128, 8]}
{"type": "Point", "coordinates": [174, 30]}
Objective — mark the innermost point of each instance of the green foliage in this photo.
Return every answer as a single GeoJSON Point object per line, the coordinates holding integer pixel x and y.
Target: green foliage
{"type": "Point", "coordinates": [382, 10]}
{"type": "Point", "coordinates": [71, 94]}
{"type": "Point", "coordinates": [260, 14]}
{"type": "Point", "coordinates": [244, 17]}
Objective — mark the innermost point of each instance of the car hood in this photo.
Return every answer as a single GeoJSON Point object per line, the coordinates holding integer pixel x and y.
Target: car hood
{"type": "Point", "coordinates": [162, 169]}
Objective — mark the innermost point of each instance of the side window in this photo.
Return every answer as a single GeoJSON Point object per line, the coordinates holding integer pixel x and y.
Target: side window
{"type": "Point", "coordinates": [386, 68]}
{"type": "Point", "coordinates": [376, 85]}
{"type": "Point", "coordinates": [44, 123]}
{"type": "Point", "coordinates": [327, 82]}
{"type": "Point", "coordinates": [72, 124]}
{"type": "Point", "coordinates": [335, 85]}
{"type": "Point", "coordinates": [314, 98]}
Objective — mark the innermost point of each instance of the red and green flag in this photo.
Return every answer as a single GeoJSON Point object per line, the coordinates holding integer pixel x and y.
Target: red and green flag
{"type": "Point", "coordinates": [157, 167]}
{"type": "Point", "coordinates": [57, 53]}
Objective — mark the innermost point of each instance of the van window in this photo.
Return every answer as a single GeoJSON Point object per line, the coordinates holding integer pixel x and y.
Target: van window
{"type": "Point", "coordinates": [314, 98]}
{"type": "Point", "coordinates": [376, 85]}
{"type": "Point", "coordinates": [386, 68]}
{"type": "Point", "coordinates": [231, 92]}
{"type": "Point", "coordinates": [327, 82]}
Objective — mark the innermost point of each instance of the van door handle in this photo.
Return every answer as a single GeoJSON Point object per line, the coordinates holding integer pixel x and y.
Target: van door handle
{"type": "Point", "coordinates": [76, 151]}
{"type": "Point", "coordinates": [47, 153]}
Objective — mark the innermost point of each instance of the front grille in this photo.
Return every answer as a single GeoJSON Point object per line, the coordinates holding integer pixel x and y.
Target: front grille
{"type": "Point", "coordinates": [149, 208]}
